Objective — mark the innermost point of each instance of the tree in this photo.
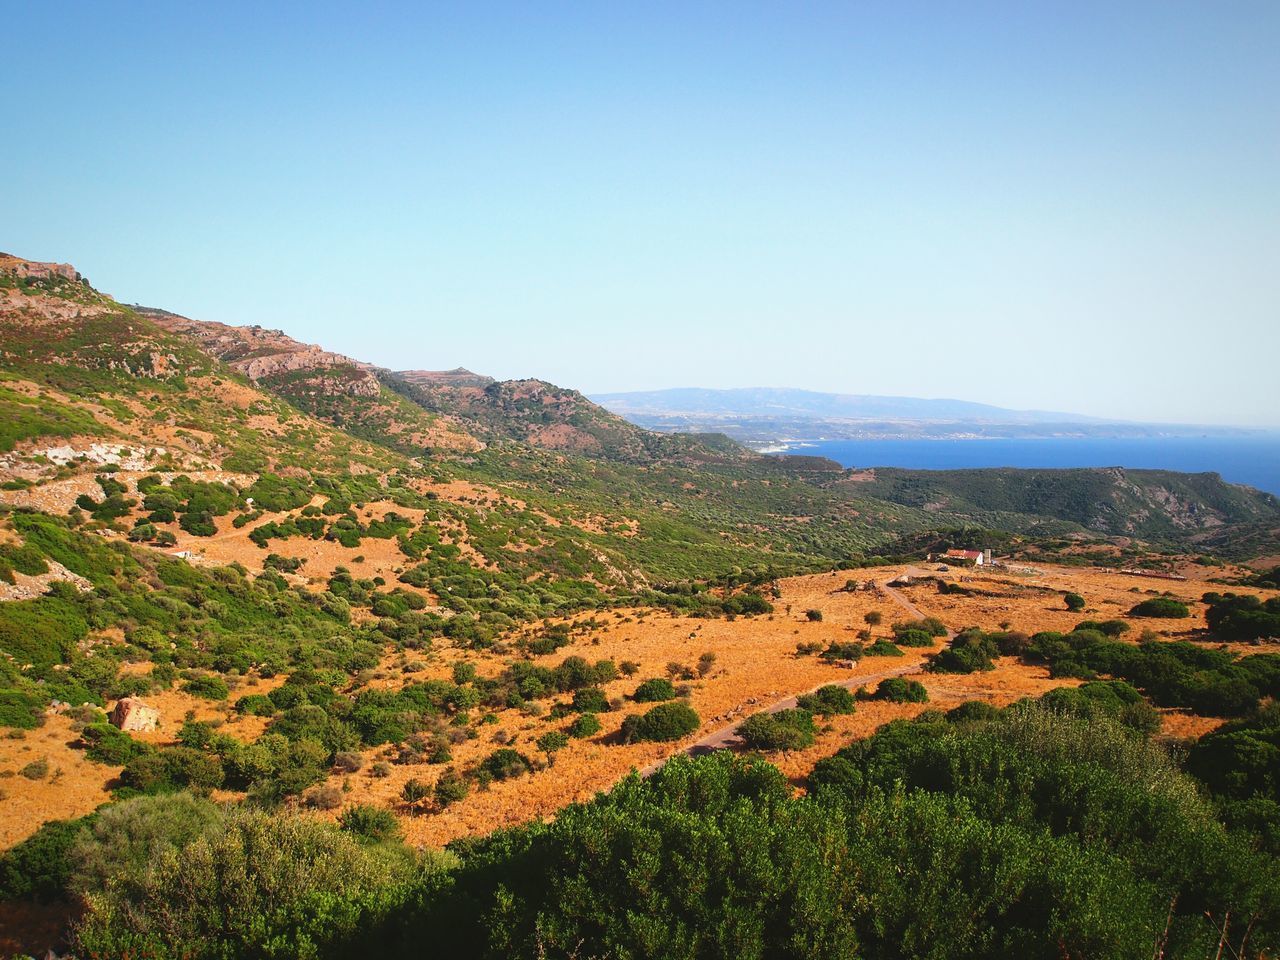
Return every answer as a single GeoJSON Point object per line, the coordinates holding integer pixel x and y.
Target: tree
{"type": "Point", "coordinates": [551, 742]}
{"type": "Point", "coordinates": [1074, 602]}
{"type": "Point", "coordinates": [414, 791]}
{"type": "Point", "coordinates": [873, 618]}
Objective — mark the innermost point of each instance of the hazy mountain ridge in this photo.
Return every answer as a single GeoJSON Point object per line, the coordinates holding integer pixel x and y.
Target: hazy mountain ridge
{"type": "Point", "coordinates": [759, 415]}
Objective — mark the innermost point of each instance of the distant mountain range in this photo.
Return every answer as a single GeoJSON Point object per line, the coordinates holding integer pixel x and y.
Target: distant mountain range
{"type": "Point", "coordinates": [760, 415]}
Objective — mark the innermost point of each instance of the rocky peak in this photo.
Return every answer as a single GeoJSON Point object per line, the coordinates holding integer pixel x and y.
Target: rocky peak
{"type": "Point", "coordinates": [261, 353]}
{"type": "Point", "coordinates": [35, 270]}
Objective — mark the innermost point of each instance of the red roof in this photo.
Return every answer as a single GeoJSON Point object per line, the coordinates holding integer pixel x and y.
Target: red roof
{"type": "Point", "coordinates": [964, 554]}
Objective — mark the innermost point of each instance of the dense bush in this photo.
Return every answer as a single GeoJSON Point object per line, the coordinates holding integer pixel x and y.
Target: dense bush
{"type": "Point", "coordinates": [369, 823]}
{"type": "Point", "coordinates": [586, 725]}
{"type": "Point", "coordinates": [654, 691]}
{"type": "Point", "coordinates": [505, 763]}
{"type": "Point", "coordinates": [828, 700]}
{"type": "Point", "coordinates": [1173, 674]}
{"type": "Point", "coordinates": [779, 730]}
{"type": "Point", "coordinates": [1118, 802]}
{"type": "Point", "coordinates": [929, 626]}
{"type": "Point", "coordinates": [257, 885]}
{"type": "Point", "coordinates": [590, 700]}
{"type": "Point", "coordinates": [883, 648]}
{"type": "Point", "coordinates": [40, 867]}
{"type": "Point", "coordinates": [901, 690]}
{"type": "Point", "coordinates": [666, 721]}
{"type": "Point", "coordinates": [1164, 607]}
{"type": "Point", "coordinates": [107, 744]}
{"type": "Point", "coordinates": [969, 651]}
{"type": "Point", "coordinates": [1235, 617]}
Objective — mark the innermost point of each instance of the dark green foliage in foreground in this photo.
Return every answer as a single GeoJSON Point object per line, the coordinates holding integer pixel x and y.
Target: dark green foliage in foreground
{"type": "Point", "coordinates": [1235, 617]}
{"type": "Point", "coordinates": [1240, 764]}
{"type": "Point", "coordinates": [1108, 794]}
{"type": "Point", "coordinates": [1028, 832]}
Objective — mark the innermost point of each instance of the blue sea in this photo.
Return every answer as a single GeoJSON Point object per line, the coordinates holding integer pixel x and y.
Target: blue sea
{"type": "Point", "coordinates": [1253, 460]}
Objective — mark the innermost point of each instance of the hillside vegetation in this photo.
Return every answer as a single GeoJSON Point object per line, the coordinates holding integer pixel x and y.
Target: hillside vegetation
{"type": "Point", "coordinates": [379, 612]}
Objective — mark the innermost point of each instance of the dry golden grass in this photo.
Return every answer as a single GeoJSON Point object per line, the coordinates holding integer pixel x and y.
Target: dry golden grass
{"type": "Point", "coordinates": [755, 666]}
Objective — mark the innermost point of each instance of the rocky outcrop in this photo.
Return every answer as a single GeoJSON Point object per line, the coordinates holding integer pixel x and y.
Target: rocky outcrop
{"type": "Point", "coordinates": [263, 354]}
{"type": "Point", "coordinates": [35, 270]}
{"type": "Point", "coordinates": [131, 714]}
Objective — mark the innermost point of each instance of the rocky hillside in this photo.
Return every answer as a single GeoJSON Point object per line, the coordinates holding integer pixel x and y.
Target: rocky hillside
{"type": "Point", "coordinates": [90, 383]}
{"type": "Point", "coordinates": [337, 389]}
{"type": "Point", "coordinates": [544, 415]}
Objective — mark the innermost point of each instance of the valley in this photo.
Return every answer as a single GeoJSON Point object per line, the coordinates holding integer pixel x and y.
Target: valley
{"type": "Point", "coordinates": [420, 615]}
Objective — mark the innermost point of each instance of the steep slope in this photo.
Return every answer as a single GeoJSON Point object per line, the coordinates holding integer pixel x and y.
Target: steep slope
{"type": "Point", "coordinates": [97, 396]}
{"type": "Point", "coordinates": [343, 392]}
{"type": "Point", "coordinates": [544, 415]}
{"type": "Point", "coordinates": [81, 369]}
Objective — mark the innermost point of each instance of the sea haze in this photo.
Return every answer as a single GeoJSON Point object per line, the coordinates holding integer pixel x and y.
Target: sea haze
{"type": "Point", "coordinates": [1254, 460]}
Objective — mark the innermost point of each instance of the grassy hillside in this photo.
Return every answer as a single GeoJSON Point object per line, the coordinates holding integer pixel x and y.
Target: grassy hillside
{"type": "Point", "coordinates": [542, 415]}
{"type": "Point", "coordinates": [1150, 504]}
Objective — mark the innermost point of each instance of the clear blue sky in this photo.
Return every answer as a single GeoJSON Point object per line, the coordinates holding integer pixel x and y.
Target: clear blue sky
{"type": "Point", "coordinates": [1065, 205]}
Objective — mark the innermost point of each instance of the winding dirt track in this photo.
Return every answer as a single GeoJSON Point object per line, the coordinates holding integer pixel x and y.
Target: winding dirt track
{"type": "Point", "coordinates": [726, 738]}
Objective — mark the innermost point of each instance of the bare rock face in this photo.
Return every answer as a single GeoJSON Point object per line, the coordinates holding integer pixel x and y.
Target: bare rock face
{"type": "Point", "coordinates": [131, 713]}
{"type": "Point", "coordinates": [35, 270]}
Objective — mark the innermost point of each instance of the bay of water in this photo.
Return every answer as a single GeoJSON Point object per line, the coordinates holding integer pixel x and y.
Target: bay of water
{"type": "Point", "coordinates": [1253, 460]}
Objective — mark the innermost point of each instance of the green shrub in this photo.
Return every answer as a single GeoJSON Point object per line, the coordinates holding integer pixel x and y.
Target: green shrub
{"type": "Point", "coordinates": [970, 651]}
{"type": "Point", "coordinates": [901, 690]}
{"type": "Point", "coordinates": [259, 886]}
{"type": "Point", "coordinates": [883, 648]}
{"type": "Point", "coordinates": [654, 691]}
{"type": "Point", "coordinates": [1073, 601]}
{"type": "Point", "coordinates": [665, 722]}
{"type": "Point", "coordinates": [586, 725]}
{"type": "Point", "coordinates": [107, 744]}
{"type": "Point", "coordinates": [590, 700]}
{"type": "Point", "coordinates": [506, 763]}
{"type": "Point", "coordinates": [828, 700]}
{"type": "Point", "coordinates": [369, 823]}
{"type": "Point", "coordinates": [1163, 607]}
{"type": "Point", "coordinates": [207, 686]}
{"type": "Point", "coordinates": [779, 730]}
{"type": "Point", "coordinates": [40, 867]}
{"type": "Point", "coordinates": [450, 788]}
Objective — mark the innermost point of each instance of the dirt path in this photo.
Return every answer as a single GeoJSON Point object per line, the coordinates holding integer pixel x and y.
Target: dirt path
{"type": "Point", "coordinates": [726, 738]}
